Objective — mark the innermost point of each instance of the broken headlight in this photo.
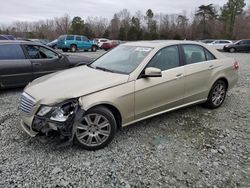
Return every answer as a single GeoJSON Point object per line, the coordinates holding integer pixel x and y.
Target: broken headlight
{"type": "Point", "coordinates": [60, 112]}
{"type": "Point", "coordinates": [44, 110]}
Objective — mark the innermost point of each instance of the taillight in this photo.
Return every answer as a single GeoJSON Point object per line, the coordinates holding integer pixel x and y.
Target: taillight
{"type": "Point", "coordinates": [236, 65]}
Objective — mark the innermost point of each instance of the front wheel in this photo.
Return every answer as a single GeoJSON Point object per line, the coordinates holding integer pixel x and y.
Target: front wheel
{"type": "Point", "coordinates": [73, 48]}
{"type": "Point", "coordinates": [232, 50]}
{"type": "Point", "coordinates": [96, 129]}
{"type": "Point", "coordinates": [216, 95]}
{"type": "Point", "coordinates": [93, 48]}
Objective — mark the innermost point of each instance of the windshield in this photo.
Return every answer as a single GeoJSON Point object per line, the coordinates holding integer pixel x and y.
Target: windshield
{"type": "Point", "coordinates": [122, 59]}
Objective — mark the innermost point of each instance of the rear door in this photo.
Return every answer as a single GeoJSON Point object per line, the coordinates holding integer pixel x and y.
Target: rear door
{"type": "Point", "coordinates": [199, 63]}
{"type": "Point", "coordinates": [15, 69]}
{"type": "Point", "coordinates": [245, 45]}
{"type": "Point", "coordinates": [248, 45]}
{"type": "Point", "coordinates": [44, 60]}
{"type": "Point", "coordinates": [79, 42]}
{"type": "Point", "coordinates": [87, 44]}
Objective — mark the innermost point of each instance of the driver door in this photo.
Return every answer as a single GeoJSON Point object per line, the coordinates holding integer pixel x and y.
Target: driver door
{"type": "Point", "coordinates": [156, 94]}
{"type": "Point", "coordinates": [44, 61]}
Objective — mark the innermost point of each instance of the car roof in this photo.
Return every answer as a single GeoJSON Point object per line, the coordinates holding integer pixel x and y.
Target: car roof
{"type": "Point", "coordinates": [160, 43]}
{"type": "Point", "coordinates": [18, 42]}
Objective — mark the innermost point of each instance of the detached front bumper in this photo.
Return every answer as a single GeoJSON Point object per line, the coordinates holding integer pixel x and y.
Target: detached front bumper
{"type": "Point", "coordinates": [28, 129]}
{"type": "Point", "coordinates": [44, 125]}
{"type": "Point", "coordinates": [36, 125]}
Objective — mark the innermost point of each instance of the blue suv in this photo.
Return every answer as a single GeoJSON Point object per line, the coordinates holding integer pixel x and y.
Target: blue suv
{"type": "Point", "coordinates": [75, 42]}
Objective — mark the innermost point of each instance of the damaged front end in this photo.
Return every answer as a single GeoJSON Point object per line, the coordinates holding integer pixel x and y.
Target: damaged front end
{"type": "Point", "coordinates": [58, 120]}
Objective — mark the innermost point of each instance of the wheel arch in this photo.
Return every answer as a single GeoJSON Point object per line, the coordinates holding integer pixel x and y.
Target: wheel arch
{"type": "Point", "coordinates": [73, 45]}
{"type": "Point", "coordinates": [222, 78]}
{"type": "Point", "coordinates": [114, 110]}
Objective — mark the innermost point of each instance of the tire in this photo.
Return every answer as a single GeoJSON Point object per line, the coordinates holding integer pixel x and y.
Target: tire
{"type": "Point", "coordinates": [96, 129]}
{"type": "Point", "coordinates": [73, 48]}
{"type": "Point", "coordinates": [232, 50]}
{"type": "Point", "coordinates": [93, 48]}
{"type": "Point", "coordinates": [64, 49]}
{"type": "Point", "coordinates": [216, 95]}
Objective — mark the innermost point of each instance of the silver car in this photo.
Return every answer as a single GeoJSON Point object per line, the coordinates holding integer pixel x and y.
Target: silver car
{"type": "Point", "coordinates": [130, 83]}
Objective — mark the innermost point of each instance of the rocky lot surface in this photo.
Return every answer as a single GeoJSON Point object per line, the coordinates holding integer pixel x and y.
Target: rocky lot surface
{"type": "Point", "coordinates": [191, 147]}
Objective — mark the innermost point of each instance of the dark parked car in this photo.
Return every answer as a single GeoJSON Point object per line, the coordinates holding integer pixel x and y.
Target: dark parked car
{"type": "Point", "coordinates": [242, 45]}
{"type": "Point", "coordinates": [23, 61]}
{"type": "Point", "coordinates": [7, 37]}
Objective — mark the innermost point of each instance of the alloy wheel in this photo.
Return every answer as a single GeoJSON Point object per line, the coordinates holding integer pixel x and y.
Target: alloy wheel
{"type": "Point", "coordinates": [218, 94]}
{"type": "Point", "coordinates": [93, 130]}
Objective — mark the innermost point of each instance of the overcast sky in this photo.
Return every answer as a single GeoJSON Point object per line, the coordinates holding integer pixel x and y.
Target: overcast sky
{"type": "Point", "coordinates": [34, 10]}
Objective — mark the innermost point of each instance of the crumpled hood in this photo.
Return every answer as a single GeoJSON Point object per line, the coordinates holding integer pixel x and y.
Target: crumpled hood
{"type": "Point", "coordinates": [72, 83]}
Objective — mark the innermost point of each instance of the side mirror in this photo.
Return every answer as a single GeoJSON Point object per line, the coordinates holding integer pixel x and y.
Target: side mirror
{"type": "Point", "coordinates": [60, 56]}
{"type": "Point", "coordinates": [152, 72]}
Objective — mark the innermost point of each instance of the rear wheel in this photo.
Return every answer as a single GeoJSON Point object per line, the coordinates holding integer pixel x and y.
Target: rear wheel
{"type": "Point", "coordinates": [96, 129]}
{"type": "Point", "coordinates": [73, 48]}
{"type": "Point", "coordinates": [216, 95]}
{"type": "Point", "coordinates": [64, 49]}
{"type": "Point", "coordinates": [232, 50]}
{"type": "Point", "coordinates": [93, 48]}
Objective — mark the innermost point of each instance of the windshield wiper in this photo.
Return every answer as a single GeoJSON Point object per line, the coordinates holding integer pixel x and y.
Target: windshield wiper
{"type": "Point", "coordinates": [89, 65]}
{"type": "Point", "coordinates": [104, 69]}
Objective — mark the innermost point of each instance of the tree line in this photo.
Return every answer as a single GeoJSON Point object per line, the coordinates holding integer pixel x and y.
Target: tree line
{"type": "Point", "coordinates": [231, 21]}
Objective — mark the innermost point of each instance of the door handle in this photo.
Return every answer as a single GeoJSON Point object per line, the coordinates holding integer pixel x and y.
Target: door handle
{"type": "Point", "coordinates": [36, 64]}
{"type": "Point", "coordinates": [210, 67]}
{"type": "Point", "coordinates": [178, 76]}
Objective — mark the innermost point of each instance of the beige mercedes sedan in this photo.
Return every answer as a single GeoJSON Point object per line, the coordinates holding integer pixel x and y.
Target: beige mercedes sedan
{"type": "Point", "coordinates": [132, 82]}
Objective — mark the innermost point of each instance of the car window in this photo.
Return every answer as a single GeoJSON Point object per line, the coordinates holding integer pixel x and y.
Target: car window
{"type": "Point", "coordinates": [78, 38]}
{"type": "Point", "coordinates": [70, 37]}
{"type": "Point", "coordinates": [39, 52]}
{"type": "Point", "coordinates": [11, 51]}
{"type": "Point", "coordinates": [245, 42]}
{"type": "Point", "coordinates": [166, 58]}
{"type": "Point", "coordinates": [46, 53]}
{"type": "Point", "coordinates": [209, 55]}
{"type": "Point", "coordinates": [84, 38]}
{"type": "Point", "coordinates": [194, 54]}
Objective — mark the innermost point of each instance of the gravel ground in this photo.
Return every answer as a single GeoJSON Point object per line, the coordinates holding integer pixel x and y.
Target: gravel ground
{"type": "Point", "coordinates": [191, 147]}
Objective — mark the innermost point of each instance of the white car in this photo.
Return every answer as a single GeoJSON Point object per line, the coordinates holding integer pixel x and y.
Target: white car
{"type": "Point", "coordinates": [219, 44]}
{"type": "Point", "coordinates": [100, 41]}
